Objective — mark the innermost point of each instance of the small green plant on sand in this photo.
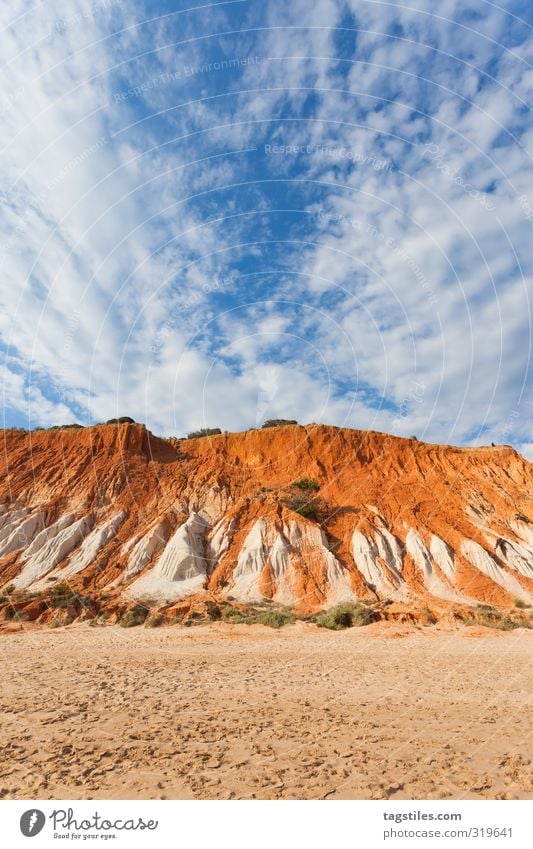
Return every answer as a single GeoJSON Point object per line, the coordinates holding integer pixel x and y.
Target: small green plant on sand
{"type": "Point", "coordinates": [345, 616]}
{"type": "Point", "coordinates": [232, 615]}
{"type": "Point", "coordinates": [429, 615]}
{"type": "Point", "coordinates": [135, 616]}
{"type": "Point", "coordinates": [507, 624]}
{"type": "Point", "coordinates": [155, 621]}
{"type": "Point", "coordinates": [275, 618]}
{"type": "Point", "coordinates": [491, 617]}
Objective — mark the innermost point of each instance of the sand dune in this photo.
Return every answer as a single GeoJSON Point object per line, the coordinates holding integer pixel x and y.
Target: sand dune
{"type": "Point", "coordinates": [222, 712]}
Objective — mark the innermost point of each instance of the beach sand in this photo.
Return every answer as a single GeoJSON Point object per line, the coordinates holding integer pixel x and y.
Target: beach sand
{"type": "Point", "coordinates": [232, 712]}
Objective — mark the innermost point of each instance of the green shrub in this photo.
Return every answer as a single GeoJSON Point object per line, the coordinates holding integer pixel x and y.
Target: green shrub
{"type": "Point", "coordinates": [129, 620]}
{"type": "Point", "coordinates": [279, 422]}
{"type": "Point", "coordinates": [232, 615]}
{"type": "Point", "coordinates": [133, 617]}
{"type": "Point", "coordinates": [155, 621]}
{"type": "Point", "coordinates": [204, 431]}
{"type": "Point", "coordinates": [507, 624]}
{"type": "Point", "coordinates": [310, 508]}
{"type": "Point", "coordinates": [121, 420]}
{"type": "Point", "coordinates": [518, 602]}
{"type": "Point", "coordinates": [213, 610]}
{"type": "Point", "coordinates": [63, 596]}
{"type": "Point", "coordinates": [274, 618]}
{"type": "Point", "coordinates": [429, 615]}
{"type": "Point", "coordinates": [493, 618]}
{"type": "Point", "coordinates": [487, 613]}
{"type": "Point", "coordinates": [101, 619]}
{"type": "Point", "coordinates": [10, 589]}
{"type": "Point", "coordinates": [345, 616]}
{"type": "Point", "coordinates": [252, 616]}
{"type": "Point", "coordinates": [307, 484]}
{"type": "Point", "coordinates": [334, 619]}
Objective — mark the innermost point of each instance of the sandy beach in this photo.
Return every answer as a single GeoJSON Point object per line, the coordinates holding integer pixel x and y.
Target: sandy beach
{"type": "Point", "coordinates": [233, 712]}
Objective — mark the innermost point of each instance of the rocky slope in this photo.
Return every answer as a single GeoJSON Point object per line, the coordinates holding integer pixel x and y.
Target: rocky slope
{"type": "Point", "coordinates": [303, 516]}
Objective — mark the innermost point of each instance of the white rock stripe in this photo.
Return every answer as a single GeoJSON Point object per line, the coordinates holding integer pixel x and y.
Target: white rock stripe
{"type": "Point", "coordinates": [53, 552]}
{"type": "Point", "coordinates": [482, 560]}
{"type": "Point", "coordinates": [422, 560]}
{"type": "Point", "coordinates": [144, 550]}
{"type": "Point", "coordinates": [89, 549]}
{"type": "Point", "coordinates": [182, 568]}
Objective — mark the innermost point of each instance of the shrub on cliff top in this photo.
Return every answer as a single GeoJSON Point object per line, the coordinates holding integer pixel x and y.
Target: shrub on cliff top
{"type": "Point", "coordinates": [279, 422]}
{"type": "Point", "coordinates": [75, 425]}
{"type": "Point", "coordinates": [121, 420]}
{"type": "Point", "coordinates": [204, 431]}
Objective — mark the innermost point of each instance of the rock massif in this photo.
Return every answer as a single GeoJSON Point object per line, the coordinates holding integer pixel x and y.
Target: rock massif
{"type": "Point", "coordinates": [303, 516]}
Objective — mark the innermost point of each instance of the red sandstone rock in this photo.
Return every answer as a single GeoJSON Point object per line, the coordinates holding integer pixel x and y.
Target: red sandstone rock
{"type": "Point", "coordinates": [124, 516]}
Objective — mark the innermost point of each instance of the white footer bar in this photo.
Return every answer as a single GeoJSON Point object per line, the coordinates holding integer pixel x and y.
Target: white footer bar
{"type": "Point", "coordinates": [267, 824]}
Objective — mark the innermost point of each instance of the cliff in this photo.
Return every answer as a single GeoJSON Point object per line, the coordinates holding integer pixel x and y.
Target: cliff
{"type": "Point", "coordinates": [304, 516]}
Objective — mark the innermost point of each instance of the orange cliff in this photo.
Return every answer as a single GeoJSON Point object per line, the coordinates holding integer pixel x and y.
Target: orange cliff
{"type": "Point", "coordinates": [303, 516]}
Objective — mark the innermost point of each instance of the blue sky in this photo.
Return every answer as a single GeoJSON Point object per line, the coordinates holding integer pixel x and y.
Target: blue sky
{"type": "Point", "coordinates": [218, 214]}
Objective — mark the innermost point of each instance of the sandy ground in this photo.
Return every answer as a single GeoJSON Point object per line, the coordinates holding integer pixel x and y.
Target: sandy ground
{"type": "Point", "coordinates": [247, 712]}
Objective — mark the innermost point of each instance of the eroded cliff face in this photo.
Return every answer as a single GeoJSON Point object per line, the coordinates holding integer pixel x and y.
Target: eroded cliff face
{"type": "Point", "coordinates": [115, 511]}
